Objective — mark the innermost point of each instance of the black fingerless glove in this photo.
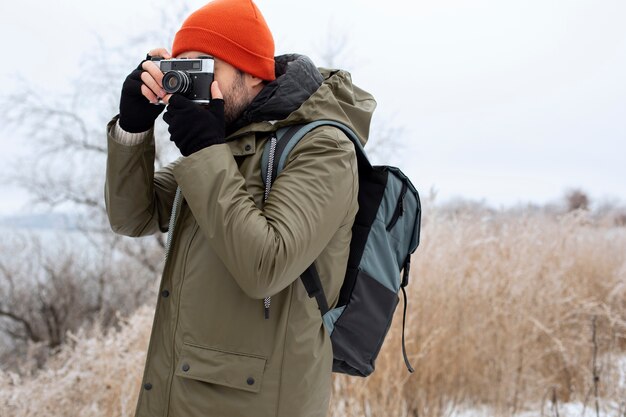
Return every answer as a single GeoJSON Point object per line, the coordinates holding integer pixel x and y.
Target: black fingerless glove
{"type": "Point", "coordinates": [193, 127]}
{"type": "Point", "coordinates": [137, 114]}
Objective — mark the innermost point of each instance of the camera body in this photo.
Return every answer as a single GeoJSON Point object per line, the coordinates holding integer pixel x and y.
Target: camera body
{"type": "Point", "coordinates": [191, 77]}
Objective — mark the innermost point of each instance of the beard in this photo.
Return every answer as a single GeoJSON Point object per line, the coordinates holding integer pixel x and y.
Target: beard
{"type": "Point", "coordinates": [236, 99]}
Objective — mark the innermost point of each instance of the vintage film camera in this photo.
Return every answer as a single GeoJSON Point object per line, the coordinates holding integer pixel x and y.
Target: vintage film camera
{"type": "Point", "coordinates": [191, 77]}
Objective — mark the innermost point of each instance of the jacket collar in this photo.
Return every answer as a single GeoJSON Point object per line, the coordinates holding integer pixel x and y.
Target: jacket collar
{"type": "Point", "coordinates": [297, 79]}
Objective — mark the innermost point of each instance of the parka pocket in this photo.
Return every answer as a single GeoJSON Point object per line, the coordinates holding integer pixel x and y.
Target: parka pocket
{"type": "Point", "coordinates": [230, 369]}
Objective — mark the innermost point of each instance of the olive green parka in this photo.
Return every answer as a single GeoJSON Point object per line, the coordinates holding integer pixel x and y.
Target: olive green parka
{"type": "Point", "coordinates": [212, 352]}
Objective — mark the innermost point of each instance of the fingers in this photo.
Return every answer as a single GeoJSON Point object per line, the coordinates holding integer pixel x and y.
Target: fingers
{"type": "Point", "coordinates": [215, 90]}
{"type": "Point", "coordinates": [152, 77]}
{"type": "Point", "coordinates": [166, 98]}
{"type": "Point", "coordinates": [160, 52]}
{"type": "Point", "coordinates": [149, 94]}
{"type": "Point", "coordinates": [155, 73]}
{"type": "Point", "coordinates": [153, 84]}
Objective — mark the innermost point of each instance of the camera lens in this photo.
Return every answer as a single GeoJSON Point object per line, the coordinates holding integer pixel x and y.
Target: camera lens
{"type": "Point", "coordinates": [176, 82]}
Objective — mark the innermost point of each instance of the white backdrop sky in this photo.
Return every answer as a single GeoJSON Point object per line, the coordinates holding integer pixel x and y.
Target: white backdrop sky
{"type": "Point", "coordinates": [506, 101]}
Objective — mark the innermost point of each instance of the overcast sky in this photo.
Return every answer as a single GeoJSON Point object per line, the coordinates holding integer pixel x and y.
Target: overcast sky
{"type": "Point", "coordinates": [506, 101]}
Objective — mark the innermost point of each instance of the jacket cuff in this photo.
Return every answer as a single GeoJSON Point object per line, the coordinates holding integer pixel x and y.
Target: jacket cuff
{"type": "Point", "coordinates": [123, 137]}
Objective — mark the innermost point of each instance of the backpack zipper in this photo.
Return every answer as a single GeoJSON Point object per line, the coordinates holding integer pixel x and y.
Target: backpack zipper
{"type": "Point", "coordinates": [399, 211]}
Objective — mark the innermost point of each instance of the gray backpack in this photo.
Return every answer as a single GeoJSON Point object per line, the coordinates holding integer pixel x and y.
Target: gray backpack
{"type": "Point", "coordinates": [384, 235]}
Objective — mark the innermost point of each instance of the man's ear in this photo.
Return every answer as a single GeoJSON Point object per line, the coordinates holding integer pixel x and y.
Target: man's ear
{"type": "Point", "coordinates": [253, 82]}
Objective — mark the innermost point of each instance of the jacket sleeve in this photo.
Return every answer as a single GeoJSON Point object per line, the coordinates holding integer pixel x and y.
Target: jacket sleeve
{"type": "Point", "coordinates": [266, 250]}
{"type": "Point", "coordinates": [138, 200]}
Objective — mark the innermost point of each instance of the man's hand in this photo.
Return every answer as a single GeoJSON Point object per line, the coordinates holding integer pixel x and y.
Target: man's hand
{"type": "Point", "coordinates": [193, 127]}
{"type": "Point", "coordinates": [141, 90]}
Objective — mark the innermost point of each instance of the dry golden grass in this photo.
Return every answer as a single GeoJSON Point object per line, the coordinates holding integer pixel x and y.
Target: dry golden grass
{"type": "Point", "coordinates": [501, 313]}
{"type": "Point", "coordinates": [95, 374]}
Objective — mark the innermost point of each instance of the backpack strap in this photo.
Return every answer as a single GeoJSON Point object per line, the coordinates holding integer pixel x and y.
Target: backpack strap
{"type": "Point", "coordinates": [313, 285]}
{"type": "Point", "coordinates": [286, 139]}
{"type": "Point", "coordinates": [405, 282]}
{"type": "Point", "coordinates": [289, 136]}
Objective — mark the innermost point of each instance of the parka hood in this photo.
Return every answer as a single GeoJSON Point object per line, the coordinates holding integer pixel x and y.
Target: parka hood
{"type": "Point", "coordinates": [303, 93]}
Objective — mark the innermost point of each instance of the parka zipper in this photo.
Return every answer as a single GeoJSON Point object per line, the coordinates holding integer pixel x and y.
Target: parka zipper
{"type": "Point", "coordinates": [399, 211]}
{"type": "Point", "coordinates": [268, 185]}
{"type": "Point", "coordinates": [170, 229]}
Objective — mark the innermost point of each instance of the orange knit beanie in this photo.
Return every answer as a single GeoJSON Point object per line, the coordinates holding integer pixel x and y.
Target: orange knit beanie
{"type": "Point", "coordinates": [233, 31]}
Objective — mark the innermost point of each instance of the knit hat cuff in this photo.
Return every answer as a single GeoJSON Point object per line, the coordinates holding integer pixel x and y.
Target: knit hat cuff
{"type": "Point", "coordinates": [210, 42]}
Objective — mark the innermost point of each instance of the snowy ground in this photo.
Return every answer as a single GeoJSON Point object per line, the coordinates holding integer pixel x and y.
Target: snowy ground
{"type": "Point", "coordinates": [613, 408]}
{"type": "Point", "coordinates": [564, 410]}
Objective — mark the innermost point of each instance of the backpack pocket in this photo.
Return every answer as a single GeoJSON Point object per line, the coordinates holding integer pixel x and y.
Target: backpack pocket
{"type": "Point", "coordinates": [359, 332]}
{"type": "Point", "coordinates": [402, 209]}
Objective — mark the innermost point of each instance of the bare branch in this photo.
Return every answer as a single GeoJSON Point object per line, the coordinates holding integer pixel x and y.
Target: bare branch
{"type": "Point", "coordinates": [26, 325]}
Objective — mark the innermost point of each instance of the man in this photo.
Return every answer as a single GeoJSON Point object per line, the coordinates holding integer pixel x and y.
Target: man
{"type": "Point", "coordinates": [214, 350]}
